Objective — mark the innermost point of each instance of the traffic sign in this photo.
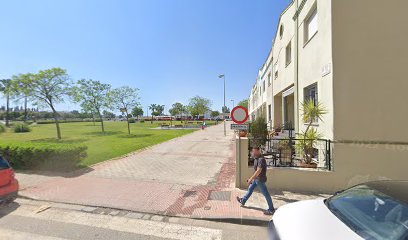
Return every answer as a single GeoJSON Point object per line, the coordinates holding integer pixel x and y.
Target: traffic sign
{"type": "Point", "coordinates": [239, 114]}
{"type": "Point", "coordinates": [239, 127]}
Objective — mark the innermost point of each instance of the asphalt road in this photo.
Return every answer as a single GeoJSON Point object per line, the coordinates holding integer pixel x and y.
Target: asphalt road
{"type": "Point", "coordinates": [28, 219]}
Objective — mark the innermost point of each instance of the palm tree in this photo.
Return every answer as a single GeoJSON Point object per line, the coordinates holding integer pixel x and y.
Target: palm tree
{"type": "Point", "coordinates": [312, 111]}
{"type": "Point", "coordinates": [6, 89]}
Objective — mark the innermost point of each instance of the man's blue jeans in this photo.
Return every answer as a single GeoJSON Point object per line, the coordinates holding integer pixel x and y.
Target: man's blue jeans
{"type": "Point", "coordinates": [264, 191]}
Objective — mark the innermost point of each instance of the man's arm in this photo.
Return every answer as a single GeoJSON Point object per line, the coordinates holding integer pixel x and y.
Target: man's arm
{"type": "Point", "coordinates": [255, 175]}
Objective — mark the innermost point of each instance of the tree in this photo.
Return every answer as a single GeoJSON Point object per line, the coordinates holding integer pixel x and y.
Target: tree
{"type": "Point", "coordinates": [225, 109]}
{"type": "Point", "coordinates": [107, 114]}
{"type": "Point", "coordinates": [199, 106]}
{"type": "Point", "coordinates": [6, 89]}
{"type": "Point", "coordinates": [215, 114]}
{"type": "Point", "coordinates": [156, 109]}
{"type": "Point", "coordinates": [137, 111]}
{"type": "Point", "coordinates": [177, 109]}
{"type": "Point", "coordinates": [93, 97]}
{"type": "Point", "coordinates": [21, 91]}
{"type": "Point", "coordinates": [49, 87]}
{"type": "Point", "coordinates": [124, 99]}
{"type": "Point", "coordinates": [243, 103]}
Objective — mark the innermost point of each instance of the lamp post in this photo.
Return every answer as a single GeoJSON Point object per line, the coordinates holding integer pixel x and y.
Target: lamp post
{"type": "Point", "coordinates": [224, 108]}
{"type": "Point", "coordinates": [233, 103]}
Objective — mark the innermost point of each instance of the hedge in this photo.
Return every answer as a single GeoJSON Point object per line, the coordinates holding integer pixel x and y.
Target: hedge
{"type": "Point", "coordinates": [21, 128]}
{"type": "Point", "coordinates": [43, 156]}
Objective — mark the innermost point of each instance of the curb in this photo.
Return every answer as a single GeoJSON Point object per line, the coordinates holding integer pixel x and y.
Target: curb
{"type": "Point", "coordinates": [231, 220]}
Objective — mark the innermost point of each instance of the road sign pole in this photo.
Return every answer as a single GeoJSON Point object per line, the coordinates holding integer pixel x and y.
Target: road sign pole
{"type": "Point", "coordinates": [225, 110]}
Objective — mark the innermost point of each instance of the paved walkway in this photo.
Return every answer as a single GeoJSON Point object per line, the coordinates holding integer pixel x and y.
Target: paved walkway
{"type": "Point", "coordinates": [191, 176]}
{"type": "Point", "coordinates": [28, 219]}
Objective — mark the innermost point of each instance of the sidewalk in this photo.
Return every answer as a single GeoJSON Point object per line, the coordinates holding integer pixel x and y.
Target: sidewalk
{"type": "Point", "coordinates": [182, 182]}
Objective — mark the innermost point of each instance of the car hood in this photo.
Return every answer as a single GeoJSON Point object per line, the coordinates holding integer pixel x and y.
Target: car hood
{"type": "Point", "coordinates": [310, 220]}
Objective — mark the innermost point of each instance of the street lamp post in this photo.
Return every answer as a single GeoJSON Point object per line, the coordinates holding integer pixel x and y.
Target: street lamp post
{"type": "Point", "coordinates": [233, 103]}
{"type": "Point", "coordinates": [223, 110]}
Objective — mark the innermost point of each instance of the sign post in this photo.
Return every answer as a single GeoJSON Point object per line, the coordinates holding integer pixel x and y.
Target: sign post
{"type": "Point", "coordinates": [240, 116]}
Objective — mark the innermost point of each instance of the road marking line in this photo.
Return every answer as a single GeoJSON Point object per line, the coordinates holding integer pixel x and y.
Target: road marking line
{"type": "Point", "coordinates": [123, 224]}
{"type": "Point", "coordinates": [7, 234]}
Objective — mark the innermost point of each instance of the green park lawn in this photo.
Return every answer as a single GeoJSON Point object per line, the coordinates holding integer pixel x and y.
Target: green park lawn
{"type": "Point", "coordinates": [101, 147]}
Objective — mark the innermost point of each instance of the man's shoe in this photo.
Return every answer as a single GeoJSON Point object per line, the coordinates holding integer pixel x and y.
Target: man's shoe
{"type": "Point", "coordinates": [240, 201]}
{"type": "Point", "coordinates": [269, 212]}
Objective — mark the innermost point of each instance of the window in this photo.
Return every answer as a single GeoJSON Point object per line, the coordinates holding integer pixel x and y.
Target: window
{"type": "Point", "coordinates": [311, 25]}
{"type": "Point", "coordinates": [311, 93]}
{"type": "Point", "coordinates": [263, 85]}
{"type": "Point", "coordinates": [276, 70]}
{"type": "Point", "coordinates": [281, 31]}
{"type": "Point", "coordinates": [289, 53]}
{"type": "Point", "coordinates": [269, 112]}
{"type": "Point", "coordinates": [269, 79]}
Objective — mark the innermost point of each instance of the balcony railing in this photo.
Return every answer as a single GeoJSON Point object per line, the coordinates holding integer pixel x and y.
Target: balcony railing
{"type": "Point", "coordinates": [289, 152]}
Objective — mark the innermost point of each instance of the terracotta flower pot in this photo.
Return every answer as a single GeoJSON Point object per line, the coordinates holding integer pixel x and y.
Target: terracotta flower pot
{"type": "Point", "coordinates": [243, 133]}
{"type": "Point", "coordinates": [308, 165]}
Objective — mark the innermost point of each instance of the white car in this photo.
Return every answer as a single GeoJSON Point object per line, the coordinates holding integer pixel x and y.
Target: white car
{"type": "Point", "coordinates": [373, 210]}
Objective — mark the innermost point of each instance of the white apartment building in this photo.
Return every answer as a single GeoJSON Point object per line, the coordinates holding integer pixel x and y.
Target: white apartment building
{"type": "Point", "coordinates": [351, 56]}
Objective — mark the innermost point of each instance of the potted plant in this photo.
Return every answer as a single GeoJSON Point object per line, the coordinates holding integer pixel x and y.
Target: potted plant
{"type": "Point", "coordinates": [307, 143]}
{"type": "Point", "coordinates": [277, 129]}
{"type": "Point", "coordinates": [243, 133]}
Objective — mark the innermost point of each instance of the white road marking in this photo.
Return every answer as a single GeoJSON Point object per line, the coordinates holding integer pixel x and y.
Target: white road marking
{"type": "Point", "coordinates": [7, 234]}
{"type": "Point", "coordinates": [136, 226]}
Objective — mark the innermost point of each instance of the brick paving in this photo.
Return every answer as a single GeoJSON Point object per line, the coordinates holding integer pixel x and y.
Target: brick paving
{"type": "Point", "coordinates": [174, 178]}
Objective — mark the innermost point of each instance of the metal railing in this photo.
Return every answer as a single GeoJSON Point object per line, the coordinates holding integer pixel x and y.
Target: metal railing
{"type": "Point", "coordinates": [290, 152]}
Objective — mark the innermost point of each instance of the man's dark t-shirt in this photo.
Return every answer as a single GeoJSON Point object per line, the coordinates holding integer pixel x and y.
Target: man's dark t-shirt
{"type": "Point", "coordinates": [261, 163]}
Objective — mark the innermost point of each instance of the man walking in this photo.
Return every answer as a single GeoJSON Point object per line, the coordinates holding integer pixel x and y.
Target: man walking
{"type": "Point", "coordinates": [258, 179]}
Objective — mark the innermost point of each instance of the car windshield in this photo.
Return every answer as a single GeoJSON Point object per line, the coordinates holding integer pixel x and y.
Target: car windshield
{"type": "Point", "coordinates": [3, 163]}
{"type": "Point", "coordinates": [370, 213]}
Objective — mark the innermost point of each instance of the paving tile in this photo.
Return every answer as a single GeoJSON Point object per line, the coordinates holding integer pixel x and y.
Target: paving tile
{"type": "Point", "coordinates": [88, 209]}
{"type": "Point", "coordinates": [134, 215]}
{"type": "Point", "coordinates": [157, 218]}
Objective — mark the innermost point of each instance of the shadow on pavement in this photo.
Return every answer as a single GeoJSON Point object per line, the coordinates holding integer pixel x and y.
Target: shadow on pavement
{"type": "Point", "coordinates": [65, 174]}
{"type": "Point", "coordinates": [254, 208]}
{"type": "Point", "coordinates": [8, 208]}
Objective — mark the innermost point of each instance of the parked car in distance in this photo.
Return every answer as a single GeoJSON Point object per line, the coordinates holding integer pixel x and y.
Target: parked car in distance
{"type": "Point", "coordinates": [373, 210]}
{"type": "Point", "coordinates": [8, 182]}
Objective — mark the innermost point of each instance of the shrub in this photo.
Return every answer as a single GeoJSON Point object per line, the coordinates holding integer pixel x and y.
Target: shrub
{"type": "Point", "coordinates": [43, 156]}
{"type": "Point", "coordinates": [142, 120]}
{"type": "Point", "coordinates": [21, 128]}
{"type": "Point", "coordinates": [132, 120]}
{"type": "Point", "coordinates": [2, 128]}
{"type": "Point", "coordinates": [259, 131]}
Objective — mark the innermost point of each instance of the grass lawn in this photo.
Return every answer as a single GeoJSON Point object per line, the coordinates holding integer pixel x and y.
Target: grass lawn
{"type": "Point", "coordinates": [114, 143]}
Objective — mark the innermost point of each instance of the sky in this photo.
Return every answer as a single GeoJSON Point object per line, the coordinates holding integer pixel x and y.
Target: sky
{"type": "Point", "coordinates": [171, 50]}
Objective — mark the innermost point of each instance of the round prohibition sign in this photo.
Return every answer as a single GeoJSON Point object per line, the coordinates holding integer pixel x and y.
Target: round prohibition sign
{"type": "Point", "coordinates": [239, 114]}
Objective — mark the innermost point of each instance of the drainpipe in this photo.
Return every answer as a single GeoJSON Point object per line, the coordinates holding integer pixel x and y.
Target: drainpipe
{"type": "Point", "coordinates": [296, 97]}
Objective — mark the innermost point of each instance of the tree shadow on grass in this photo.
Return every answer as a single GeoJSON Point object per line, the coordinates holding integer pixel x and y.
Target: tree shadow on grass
{"type": "Point", "coordinates": [54, 140]}
{"type": "Point", "coordinates": [135, 135]}
{"type": "Point", "coordinates": [106, 133]}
